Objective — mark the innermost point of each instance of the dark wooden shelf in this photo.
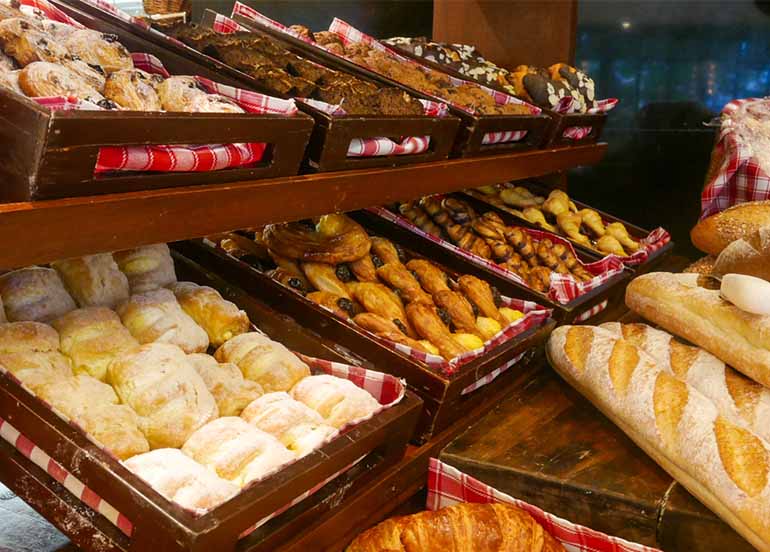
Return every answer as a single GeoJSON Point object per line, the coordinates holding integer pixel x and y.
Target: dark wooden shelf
{"type": "Point", "coordinates": [38, 232]}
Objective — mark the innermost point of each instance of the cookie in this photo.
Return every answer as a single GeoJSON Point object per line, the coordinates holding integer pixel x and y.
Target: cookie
{"type": "Point", "coordinates": [100, 49]}
{"type": "Point", "coordinates": [26, 43]}
{"type": "Point", "coordinates": [41, 79]}
{"type": "Point", "coordinates": [133, 89]}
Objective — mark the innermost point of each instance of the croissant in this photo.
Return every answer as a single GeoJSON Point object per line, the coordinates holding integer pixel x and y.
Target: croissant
{"type": "Point", "coordinates": [220, 319]}
{"type": "Point", "coordinates": [335, 239]}
{"type": "Point", "coordinates": [467, 527]}
{"type": "Point", "coordinates": [147, 268]}
{"type": "Point", "coordinates": [520, 197]}
{"type": "Point", "coordinates": [593, 221]}
{"type": "Point", "coordinates": [323, 277]}
{"type": "Point", "coordinates": [570, 225]}
{"type": "Point", "coordinates": [431, 278]}
{"type": "Point", "coordinates": [339, 401]}
{"type": "Point", "coordinates": [619, 232]}
{"type": "Point", "coordinates": [608, 244]}
{"type": "Point", "coordinates": [557, 203]}
{"type": "Point", "coordinates": [535, 216]}
{"type": "Point", "coordinates": [226, 384]}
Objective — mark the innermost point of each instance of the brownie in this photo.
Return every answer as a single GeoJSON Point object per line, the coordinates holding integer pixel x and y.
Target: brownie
{"type": "Point", "coordinates": [393, 101]}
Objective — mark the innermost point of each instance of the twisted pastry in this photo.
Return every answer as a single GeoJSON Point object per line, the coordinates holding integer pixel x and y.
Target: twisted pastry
{"type": "Point", "coordinates": [593, 221]}
{"type": "Point", "coordinates": [570, 224]}
{"type": "Point", "coordinates": [419, 218]}
{"type": "Point", "coordinates": [459, 210]}
{"type": "Point", "coordinates": [335, 239]}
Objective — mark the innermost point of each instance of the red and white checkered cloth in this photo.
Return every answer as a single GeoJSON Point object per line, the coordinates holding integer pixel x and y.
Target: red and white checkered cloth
{"type": "Point", "coordinates": [593, 311]}
{"type": "Point", "coordinates": [734, 175]}
{"type": "Point", "coordinates": [448, 485]}
{"type": "Point", "coordinates": [492, 376]}
{"type": "Point", "coordinates": [564, 288]}
{"type": "Point", "coordinates": [386, 389]}
{"type": "Point", "coordinates": [577, 132]}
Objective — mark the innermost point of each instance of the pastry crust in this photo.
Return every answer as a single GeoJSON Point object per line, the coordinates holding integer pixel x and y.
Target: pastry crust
{"type": "Point", "coordinates": [226, 383]}
{"type": "Point", "coordinates": [148, 267]}
{"type": "Point", "coordinates": [34, 293]}
{"type": "Point", "coordinates": [133, 89]}
{"type": "Point", "coordinates": [93, 280]}
{"type": "Point", "coordinates": [222, 320]}
{"type": "Point", "coordinates": [100, 49]}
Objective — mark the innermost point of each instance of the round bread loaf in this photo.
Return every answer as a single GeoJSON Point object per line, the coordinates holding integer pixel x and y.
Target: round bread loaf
{"type": "Point", "coordinates": [713, 234]}
{"type": "Point", "coordinates": [704, 265]}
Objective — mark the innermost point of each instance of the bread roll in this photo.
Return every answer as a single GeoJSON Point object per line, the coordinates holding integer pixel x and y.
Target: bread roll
{"type": "Point", "coordinates": [34, 293]}
{"type": "Point", "coordinates": [155, 316]}
{"type": "Point", "coordinates": [263, 360]}
{"type": "Point", "coordinates": [750, 256]}
{"type": "Point", "coordinates": [94, 280]}
{"type": "Point", "coordinates": [300, 428]}
{"type": "Point", "coordinates": [91, 337]}
{"type": "Point", "coordinates": [28, 337]}
{"type": "Point", "coordinates": [714, 233]}
{"type": "Point", "coordinates": [339, 401]}
{"type": "Point", "coordinates": [676, 303]}
{"type": "Point", "coordinates": [148, 267]}
{"type": "Point", "coordinates": [29, 351]}
{"type": "Point", "coordinates": [726, 466]}
{"type": "Point", "coordinates": [226, 383]}
{"type": "Point", "coordinates": [159, 383]}
{"type": "Point", "coordinates": [221, 319]}
{"type": "Point", "coordinates": [181, 479]}
{"type": "Point", "coordinates": [236, 451]}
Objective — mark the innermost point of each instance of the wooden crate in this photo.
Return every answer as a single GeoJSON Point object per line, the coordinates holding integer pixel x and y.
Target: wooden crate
{"type": "Point", "coordinates": [161, 525]}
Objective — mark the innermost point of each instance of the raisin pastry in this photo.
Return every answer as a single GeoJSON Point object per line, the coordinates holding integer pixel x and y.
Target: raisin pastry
{"type": "Point", "coordinates": [100, 49]}
{"type": "Point", "coordinates": [41, 79]}
{"type": "Point", "coordinates": [91, 74]}
{"type": "Point", "coordinates": [59, 31]}
{"type": "Point", "coordinates": [10, 81]}
{"type": "Point", "coordinates": [21, 40]}
{"type": "Point", "coordinates": [214, 103]}
{"type": "Point", "coordinates": [133, 89]}
{"type": "Point", "coordinates": [178, 93]}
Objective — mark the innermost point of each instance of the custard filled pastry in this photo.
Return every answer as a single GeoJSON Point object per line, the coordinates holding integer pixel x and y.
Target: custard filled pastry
{"type": "Point", "coordinates": [25, 42]}
{"type": "Point", "coordinates": [155, 316]}
{"type": "Point", "coordinates": [226, 383]}
{"type": "Point", "coordinates": [92, 337]}
{"type": "Point", "coordinates": [100, 49]}
{"type": "Point", "coordinates": [264, 361]}
{"type": "Point", "coordinates": [133, 89]}
{"type": "Point", "coordinates": [34, 293]}
{"type": "Point", "coordinates": [93, 280]}
{"type": "Point", "coordinates": [339, 401]}
{"type": "Point", "coordinates": [221, 319]}
{"type": "Point", "coordinates": [163, 388]}
{"type": "Point", "coordinates": [42, 78]}
{"type": "Point", "coordinates": [148, 267]}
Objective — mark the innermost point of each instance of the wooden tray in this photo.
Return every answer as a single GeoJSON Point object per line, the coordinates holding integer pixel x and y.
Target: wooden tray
{"type": "Point", "coordinates": [442, 394]}
{"type": "Point", "coordinates": [474, 127]}
{"type": "Point", "coordinates": [560, 121]}
{"type": "Point", "coordinates": [159, 524]}
{"type": "Point", "coordinates": [46, 154]}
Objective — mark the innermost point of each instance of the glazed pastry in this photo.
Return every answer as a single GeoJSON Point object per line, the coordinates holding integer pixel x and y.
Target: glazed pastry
{"type": "Point", "coordinates": [93, 280]}
{"type": "Point", "coordinates": [385, 250]}
{"type": "Point", "coordinates": [339, 401]}
{"type": "Point", "coordinates": [520, 197]}
{"type": "Point", "coordinates": [99, 49]}
{"type": "Point", "coordinates": [386, 329]}
{"type": "Point", "coordinates": [340, 306]}
{"type": "Point", "coordinates": [378, 299]}
{"type": "Point", "coordinates": [226, 384]}
{"type": "Point", "coordinates": [558, 202]}
{"type": "Point", "coordinates": [92, 337]}
{"type": "Point", "coordinates": [431, 278]}
{"type": "Point", "coordinates": [593, 221]}
{"type": "Point", "coordinates": [180, 479]}
{"type": "Point", "coordinates": [570, 224]}
{"type": "Point", "coordinates": [163, 388]}
{"type": "Point", "coordinates": [323, 277]}
{"type": "Point", "coordinates": [133, 89]}
{"type": "Point", "coordinates": [41, 79]}
{"type": "Point", "coordinates": [237, 451]}
{"type": "Point", "coordinates": [336, 239]}
{"type": "Point", "coordinates": [429, 325]}
{"type": "Point", "coordinates": [148, 267]}
{"type": "Point", "coordinates": [540, 278]}
{"type": "Point", "coordinates": [522, 242]}
{"type": "Point", "coordinates": [289, 265]}
{"type": "Point", "coordinates": [26, 43]}
{"type": "Point", "coordinates": [608, 244]}
{"type": "Point", "coordinates": [156, 317]}
{"type": "Point", "coordinates": [221, 319]}
{"type": "Point", "coordinates": [364, 269]}
{"type": "Point", "coordinates": [458, 210]}
{"type": "Point", "coordinates": [34, 293]}
{"type": "Point", "coordinates": [59, 31]}
{"type": "Point", "coordinates": [480, 294]}
{"type": "Point", "coordinates": [459, 310]}
{"type": "Point", "coordinates": [264, 361]}
{"type": "Point", "coordinates": [619, 232]}
{"type": "Point", "coordinates": [398, 277]}
{"type": "Point", "coordinates": [290, 280]}
{"type": "Point", "coordinates": [535, 216]}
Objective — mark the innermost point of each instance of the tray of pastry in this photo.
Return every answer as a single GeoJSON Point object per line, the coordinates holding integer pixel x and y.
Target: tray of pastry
{"type": "Point", "coordinates": [108, 388]}
{"type": "Point", "coordinates": [437, 323]}
{"type": "Point", "coordinates": [492, 122]}
{"type": "Point", "coordinates": [90, 109]}
{"type": "Point", "coordinates": [565, 93]}
{"type": "Point", "coordinates": [588, 229]}
{"type": "Point", "coordinates": [359, 122]}
{"type": "Point", "coordinates": [579, 284]}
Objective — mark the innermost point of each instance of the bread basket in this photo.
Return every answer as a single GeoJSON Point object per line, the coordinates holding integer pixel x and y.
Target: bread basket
{"type": "Point", "coordinates": [159, 7]}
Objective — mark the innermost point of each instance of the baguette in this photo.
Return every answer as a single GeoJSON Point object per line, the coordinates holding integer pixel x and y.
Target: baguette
{"type": "Point", "coordinates": [677, 303]}
{"type": "Point", "coordinates": [750, 256]}
{"type": "Point", "coordinates": [714, 233]}
{"type": "Point", "coordinates": [724, 465]}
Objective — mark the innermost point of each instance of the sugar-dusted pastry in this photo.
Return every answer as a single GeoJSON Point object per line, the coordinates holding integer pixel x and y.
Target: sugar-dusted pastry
{"type": "Point", "coordinates": [28, 337]}
{"type": "Point", "coordinates": [338, 400]}
{"type": "Point", "coordinates": [93, 75]}
{"type": "Point", "coordinates": [221, 319]}
{"type": "Point", "coordinates": [92, 337]}
{"type": "Point", "coordinates": [34, 293]}
{"type": "Point", "coordinates": [133, 89]}
{"type": "Point", "coordinates": [181, 479]}
{"type": "Point", "coordinates": [93, 280]}
{"type": "Point", "coordinates": [161, 385]}
{"type": "Point", "coordinates": [155, 316]}
{"type": "Point", "coordinates": [236, 450]}
{"type": "Point", "coordinates": [99, 49]}
{"type": "Point", "coordinates": [230, 389]}
{"type": "Point", "coordinates": [22, 40]}
{"type": "Point", "coordinates": [178, 93]}
{"type": "Point", "coordinates": [147, 267]}
{"type": "Point", "coordinates": [59, 31]}
{"type": "Point", "coordinates": [42, 78]}
{"type": "Point", "coordinates": [29, 351]}
{"type": "Point", "coordinates": [263, 360]}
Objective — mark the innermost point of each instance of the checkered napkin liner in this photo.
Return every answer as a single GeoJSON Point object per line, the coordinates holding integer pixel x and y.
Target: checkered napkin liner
{"type": "Point", "coordinates": [577, 132]}
{"type": "Point", "coordinates": [448, 485]}
{"type": "Point", "coordinates": [386, 389]}
{"type": "Point", "coordinates": [734, 175]}
{"type": "Point", "coordinates": [564, 288]}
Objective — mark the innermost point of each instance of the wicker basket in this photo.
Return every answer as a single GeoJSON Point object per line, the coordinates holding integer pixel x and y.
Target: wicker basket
{"type": "Point", "coordinates": [154, 7]}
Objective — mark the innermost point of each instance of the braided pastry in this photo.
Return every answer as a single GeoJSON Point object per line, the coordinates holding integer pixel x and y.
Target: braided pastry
{"type": "Point", "coordinates": [419, 218]}
{"type": "Point", "coordinates": [335, 239]}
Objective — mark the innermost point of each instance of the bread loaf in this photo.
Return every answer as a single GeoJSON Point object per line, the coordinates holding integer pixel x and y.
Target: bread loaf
{"type": "Point", "coordinates": [704, 265]}
{"type": "Point", "coordinates": [339, 401]}
{"type": "Point", "coordinates": [221, 319]}
{"type": "Point", "coordinates": [159, 383]}
{"type": "Point", "coordinates": [678, 304]}
{"type": "Point", "coordinates": [723, 464]}
{"type": "Point", "coordinates": [471, 527]}
{"type": "Point", "coordinates": [29, 351]}
{"type": "Point", "coordinates": [263, 360]}
{"type": "Point", "coordinates": [226, 383]}
{"type": "Point", "coordinates": [147, 268]}
{"type": "Point", "coordinates": [714, 233]}
{"type": "Point", "coordinates": [94, 280]}
{"type": "Point", "coordinates": [749, 255]}
{"type": "Point", "coordinates": [34, 293]}
{"type": "Point", "coordinates": [181, 479]}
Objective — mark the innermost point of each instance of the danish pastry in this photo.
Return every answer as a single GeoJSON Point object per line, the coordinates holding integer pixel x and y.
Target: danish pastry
{"type": "Point", "coordinates": [100, 49]}
{"type": "Point", "coordinates": [221, 319]}
{"type": "Point", "coordinates": [178, 93]}
{"type": "Point", "coordinates": [93, 280]}
{"type": "Point", "coordinates": [59, 31]}
{"type": "Point", "coordinates": [93, 75]}
{"type": "Point", "coordinates": [226, 383]}
{"type": "Point", "coordinates": [213, 103]}
{"type": "Point", "coordinates": [41, 79]}
{"type": "Point", "coordinates": [133, 89]}
{"type": "Point", "coordinates": [26, 43]}
{"type": "Point", "coordinates": [34, 293]}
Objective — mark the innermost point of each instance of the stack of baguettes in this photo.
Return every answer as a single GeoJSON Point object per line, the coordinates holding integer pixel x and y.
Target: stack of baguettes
{"type": "Point", "coordinates": [702, 412]}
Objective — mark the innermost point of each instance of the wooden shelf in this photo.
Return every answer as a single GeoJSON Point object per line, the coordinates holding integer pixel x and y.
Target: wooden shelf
{"type": "Point", "coordinates": [39, 232]}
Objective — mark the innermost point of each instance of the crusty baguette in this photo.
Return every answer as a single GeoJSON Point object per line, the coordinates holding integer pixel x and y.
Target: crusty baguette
{"type": "Point", "coordinates": [725, 465]}
{"type": "Point", "coordinates": [714, 233]}
{"type": "Point", "coordinates": [737, 397]}
{"type": "Point", "coordinates": [750, 256]}
{"type": "Point", "coordinates": [678, 304]}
